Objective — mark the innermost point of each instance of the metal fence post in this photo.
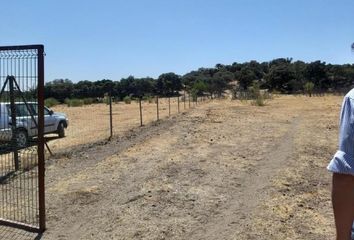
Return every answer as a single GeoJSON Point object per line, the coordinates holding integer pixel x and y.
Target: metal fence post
{"type": "Point", "coordinates": [13, 122]}
{"type": "Point", "coordinates": [184, 99]}
{"type": "Point", "coordinates": [157, 107]}
{"type": "Point", "coordinates": [189, 100]}
{"type": "Point", "coordinates": [178, 103]}
{"type": "Point", "coordinates": [41, 160]}
{"type": "Point", "coordinates": [141, 113]}
{"type": "Point", "coordinates": [169, 106]}
{"type": "Point", "coordinates": [110, 115]}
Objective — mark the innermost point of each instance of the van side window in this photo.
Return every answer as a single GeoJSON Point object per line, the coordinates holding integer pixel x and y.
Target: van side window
{"type": "Point", "coordinates": [21, 110]}
{"type": "Point", "coordinates": [46, 111]}
{"type": "Point", "coordinates": [34, 108]}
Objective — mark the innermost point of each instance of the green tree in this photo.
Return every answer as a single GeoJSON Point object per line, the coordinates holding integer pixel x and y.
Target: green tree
{"type": "Point", "coordinates": [281, 76]}
{"type": "Point", "coordinates": [59, 89]}
{"type": "Point", "coordinates": [246, 77]}
{"type": "Point", "coordinates": [168, 84]}
{"type": "Point", "coordinates": [316, 72]}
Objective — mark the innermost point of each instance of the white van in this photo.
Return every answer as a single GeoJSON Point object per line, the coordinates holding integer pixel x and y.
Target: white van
{"type": "Point", "coordinates": [26, 127]}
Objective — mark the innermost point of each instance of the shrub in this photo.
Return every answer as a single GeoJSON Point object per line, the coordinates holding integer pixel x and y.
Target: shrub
{"type": "Point", "coordinates": [51, 102]}
{"type": "Point", "coordinates": [88, 101]}
{"type": "Point", "coordinates": [276, 92]}
{"type": "Point", "coordinates": [267, 95]}
{"type": "Point", "coordinates": [127, 100]}
{"type": "Point", "coordinates": [259, 101]}
{"type": "Point", "coordinates": [75, 102]}
{"type": "Point", "coordinates": [144, 98]}
{"type": "Point", "coordinates": [308, 87]}
{"type": "Point", "coordinates": [106, 100]}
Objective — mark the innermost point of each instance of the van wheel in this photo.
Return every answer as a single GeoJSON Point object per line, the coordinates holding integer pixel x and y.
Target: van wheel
{"type": "Point", "coordinates": [61, 130]}
{"type": "Point", "coordinates": [22, 138]}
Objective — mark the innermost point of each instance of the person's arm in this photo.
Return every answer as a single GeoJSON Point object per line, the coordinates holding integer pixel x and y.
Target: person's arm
{"type": "Point", "coordinates": [343, 204]}
{"type": "Point", "coordinates": [342, 167]}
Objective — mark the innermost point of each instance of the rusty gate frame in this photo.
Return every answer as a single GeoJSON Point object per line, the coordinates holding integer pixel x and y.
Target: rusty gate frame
{"type": "Point", "coordinates": [40, 143]}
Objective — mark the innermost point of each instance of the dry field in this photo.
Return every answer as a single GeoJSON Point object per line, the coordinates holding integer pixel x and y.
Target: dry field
{"type": "Point", "coordinates": [224, 170]}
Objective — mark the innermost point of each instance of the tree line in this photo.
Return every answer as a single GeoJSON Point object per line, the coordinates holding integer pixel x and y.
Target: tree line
{"type": "Point", "coordinates": [282, 75]}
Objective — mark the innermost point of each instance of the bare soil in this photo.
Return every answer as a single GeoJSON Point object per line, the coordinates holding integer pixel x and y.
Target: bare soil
{"type": "Point", "coordinates": [225, 170]}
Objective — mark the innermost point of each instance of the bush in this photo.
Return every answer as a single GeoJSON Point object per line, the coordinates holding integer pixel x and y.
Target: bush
{"type": "Point", "coordinates": [106, 100]}
{"type": "Point", "coordinates": [127, 100]}
{"type": "Point", "coordinates": [51, 102]}
{"type": "Point", "coordinates": [276, 92]}
{"type": "Point", "coordinates": [308, 87]}
{"type": "Point", "coordinates": [88, 101]}
{"type": "Point", "coordinates": [259, 101]}
{"type": "Point", "coordinates": [75, 102]}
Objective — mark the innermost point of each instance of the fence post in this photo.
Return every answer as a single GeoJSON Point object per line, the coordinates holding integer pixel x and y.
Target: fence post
{"type": "Point", "coordinates": [184, 99]}
{"type": "Point", "coordinates": [41, 141]}
{"type": "Point", "coordinates": [13, 123]}
{"type": "Point", "coordinates": [169, 106]}
{"type": "Point", "coordinates": [157, 107]}
{"type": "Point", "coordinates": [110, 116]}
{"type": "Point", "coordinates": [178, 103]}
{"type": "Point", "coordinates": [141, 113]}
{"type": "Point", "coordinates": [189, 100]}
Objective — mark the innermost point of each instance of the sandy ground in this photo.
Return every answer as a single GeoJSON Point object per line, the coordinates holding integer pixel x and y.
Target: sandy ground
{"type": "Point", "coordinates": [225, 170]}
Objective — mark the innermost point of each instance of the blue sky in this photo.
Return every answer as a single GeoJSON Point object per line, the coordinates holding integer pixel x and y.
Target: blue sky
{"type": "Point", "coordinates": [96, 39]}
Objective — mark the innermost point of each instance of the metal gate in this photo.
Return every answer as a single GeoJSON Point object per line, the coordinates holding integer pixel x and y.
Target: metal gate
{"type": "Point", "coordinates": [22, 157]}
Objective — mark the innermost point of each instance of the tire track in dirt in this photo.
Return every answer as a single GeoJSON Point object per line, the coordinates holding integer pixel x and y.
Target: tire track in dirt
{"type": "Point", "coordinates": [300, 206]}
{"type": "Point", "coordinates": [234, 220]}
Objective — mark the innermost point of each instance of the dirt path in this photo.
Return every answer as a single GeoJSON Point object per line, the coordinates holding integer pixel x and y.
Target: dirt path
{"type": "Point", "coordinates": [207, 174]}
{"type": "Point", "coordinates": [235, 216]}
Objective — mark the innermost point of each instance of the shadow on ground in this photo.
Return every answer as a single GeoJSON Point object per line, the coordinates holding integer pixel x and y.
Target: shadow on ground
{"type": "Point", "coordinates": [10, 233]}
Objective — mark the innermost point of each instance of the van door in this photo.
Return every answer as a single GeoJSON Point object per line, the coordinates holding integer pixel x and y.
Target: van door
{"type": "Point", "coordinates": [5, 130]}
{"type": "Point", "coordinates": [49, 120]}
{"type": "Point", "coordinates": [32, 128]}
{"type": "Point", "coordinates": [24, 119]}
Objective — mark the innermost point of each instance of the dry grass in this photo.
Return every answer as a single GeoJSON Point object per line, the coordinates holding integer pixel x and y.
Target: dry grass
{"type": "Point", "coordinates": [227, 170]}
{"type": "Point", "coordinates": [90, 123]}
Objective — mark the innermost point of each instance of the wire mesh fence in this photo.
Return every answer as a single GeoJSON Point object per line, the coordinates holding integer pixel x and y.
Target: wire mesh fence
{"type": "Point", "coordinates": [142, 112]}
{"type": "Point", "coordinates": [98, 122]}
{"type": "Point", "coordinates": [21, 137]}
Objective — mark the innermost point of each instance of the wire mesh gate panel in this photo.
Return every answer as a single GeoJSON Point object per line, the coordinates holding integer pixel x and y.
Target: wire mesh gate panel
{"type": "Point", "coordinates": [21, 137]}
